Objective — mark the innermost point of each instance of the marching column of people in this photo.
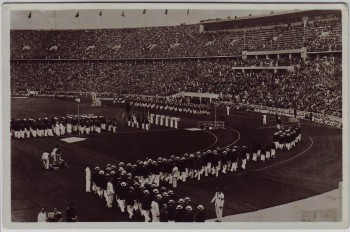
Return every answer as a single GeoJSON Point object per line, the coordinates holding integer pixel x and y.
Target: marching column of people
{"type": "Point", "coordinates": [58, 126]}
{"type": "Point", "coordinates": [140, 188]}
{"type": "Point", "coordinates": [140, 201]}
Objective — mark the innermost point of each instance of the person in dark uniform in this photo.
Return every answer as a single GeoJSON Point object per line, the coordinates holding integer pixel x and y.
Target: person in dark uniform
{"type": "Point", "coordinates": [163, 214]}
{"type": "Point", "coordinates": [268, 151]}
{"type": "Point", "coordinates": [182, 169]}
{"type": "Point", "coordinates": [197, 164]}
{"type": "Point", "coordinates": [179, 214]}
{"type": "Point", "coordinates": [299, 133]}
{"type": "Point", "coordinates": [99, 183]}
{"type": "Point", "coordinates": [94, 178]}
{"type": "Point", "coordinates": [278, 121]}
{"type": "Point", "coordinates": [243, 157]}
{"type": "Point", "coordinates": [146, 205]}
{"type": "Point", "coordinates": [215, 164]}
{"type": "Point", "coordinates": [188, 215]}
{"type": "Point", "coordinates": [209, 158]}
{"type": "Point", "coordinates": [275, 139]}
{"type": "Point", "coordinates": [281, 141]}
{"type": "Point", "coordinates": [234, 159]}
{"type": "Point", "coordinates": [70, 213]}
{"type": "Point", "coordinates": [263, 154]}
{"type": "Point", "coordinates": [122, 193]}
{"type": "Point", "coordinates": [200, 215]}
{"type": "Point", "coordinates": [171, 210]}
{"type": "Point", "coordinates": [130, 201]}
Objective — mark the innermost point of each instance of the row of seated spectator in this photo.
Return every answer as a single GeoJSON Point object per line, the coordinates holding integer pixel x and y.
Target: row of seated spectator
{"type": "Point", "coordinates": [324, 35]}
{"type": "Point", "coordinates": [172, 41]}
{"type": "Point", "coordinates": [315, 85]}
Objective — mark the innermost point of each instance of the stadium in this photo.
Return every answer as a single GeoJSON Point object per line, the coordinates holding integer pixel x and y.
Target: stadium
{"type": "Point", "coordinates": [161, 99]}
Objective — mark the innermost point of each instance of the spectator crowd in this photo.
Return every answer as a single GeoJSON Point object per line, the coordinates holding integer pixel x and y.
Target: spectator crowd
{"type": "Point", "coordinates": [185, 41]}
{"type": "Point", "coordinates": [315, 85]}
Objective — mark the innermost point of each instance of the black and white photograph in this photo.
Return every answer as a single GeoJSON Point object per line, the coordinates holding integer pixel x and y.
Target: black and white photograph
{"type": "Point", "coordinates": [165, 115]}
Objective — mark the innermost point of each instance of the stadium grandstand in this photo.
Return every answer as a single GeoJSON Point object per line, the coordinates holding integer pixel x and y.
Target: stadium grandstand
{"type": "Point", "coordinates": [256, 60]}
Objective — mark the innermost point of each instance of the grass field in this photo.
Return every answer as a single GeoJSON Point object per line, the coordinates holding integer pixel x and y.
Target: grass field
{"type": "Point", "coordinates": [313, 167]}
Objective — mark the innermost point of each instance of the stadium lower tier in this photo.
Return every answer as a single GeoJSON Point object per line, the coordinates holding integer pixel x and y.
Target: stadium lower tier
{"type": "Point", "coordinates": [314, 86]}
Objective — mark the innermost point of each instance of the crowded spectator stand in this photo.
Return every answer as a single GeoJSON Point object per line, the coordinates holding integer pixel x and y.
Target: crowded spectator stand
{"type": "Point", "coordinates": [295, 65]}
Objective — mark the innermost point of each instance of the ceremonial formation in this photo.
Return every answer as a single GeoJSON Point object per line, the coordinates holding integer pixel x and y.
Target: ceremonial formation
{"type": "Point", "coordinates": [192, 122]}
{"type": "Point", "coordinates": [60, 126]}
{"type": "Point", "coordinates": [173, 105]}
{"type": "Point", "coordinates": [141, 188]}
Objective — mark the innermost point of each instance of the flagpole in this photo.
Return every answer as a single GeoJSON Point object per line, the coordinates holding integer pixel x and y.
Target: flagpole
{"type": "Point", "coordinates": [101, 19]}
{"type": "Point", "coordinates": [166, 17]}
{"type": "Point", "coordinates": [123, 21]}
{"type": "Point", "coordinates": [55, 20]}
{"type": "Point", "coordinates": [31, 22]}
{"type": "Point", "coordinates": [188, 16]}
{"type": "Point", "coordinates": [145, 19]}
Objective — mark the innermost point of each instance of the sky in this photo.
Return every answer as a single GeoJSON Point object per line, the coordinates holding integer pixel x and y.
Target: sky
{"type": "Point", "coordinates": [112, 18]}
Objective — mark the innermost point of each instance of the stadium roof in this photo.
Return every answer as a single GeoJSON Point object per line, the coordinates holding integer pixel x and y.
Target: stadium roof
{"type": "Point", "coordinates": [271, 16]}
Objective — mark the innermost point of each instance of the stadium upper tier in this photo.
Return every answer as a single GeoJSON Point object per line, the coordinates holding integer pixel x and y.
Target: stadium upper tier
{"type": "Point", "coordinates": [316, 34]}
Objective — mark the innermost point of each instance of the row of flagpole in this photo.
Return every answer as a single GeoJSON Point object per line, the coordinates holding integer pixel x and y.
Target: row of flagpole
{"type": "Point", "coordinates": [77, 15]}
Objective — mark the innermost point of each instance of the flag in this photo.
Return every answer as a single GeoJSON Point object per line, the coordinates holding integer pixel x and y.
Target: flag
{"type": "Point", "coordinates": [77, 100]}
{"type": "Point", "coordinates": [30, 15]}
{"type": "Point", "coordinates": [166, 11]}
{"type": "Point", "coordinates": [144, 11]}
{"type": "Point", "coordinates": [188, 11]}
{"type": "Point", "coordinates": [100, 14]}
{"type": "Point", "coordinates": [77, 15]}
{"type": "Point", "coordinates": [123, 14]}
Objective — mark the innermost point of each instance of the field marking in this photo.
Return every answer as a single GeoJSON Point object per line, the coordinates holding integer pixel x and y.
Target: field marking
{"type": "Point", "coordinates": [216, 140]}
{"type": "Point", "coordinates": [273, 165]}
{"type": "Point", "coordinates": [239, 136]}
